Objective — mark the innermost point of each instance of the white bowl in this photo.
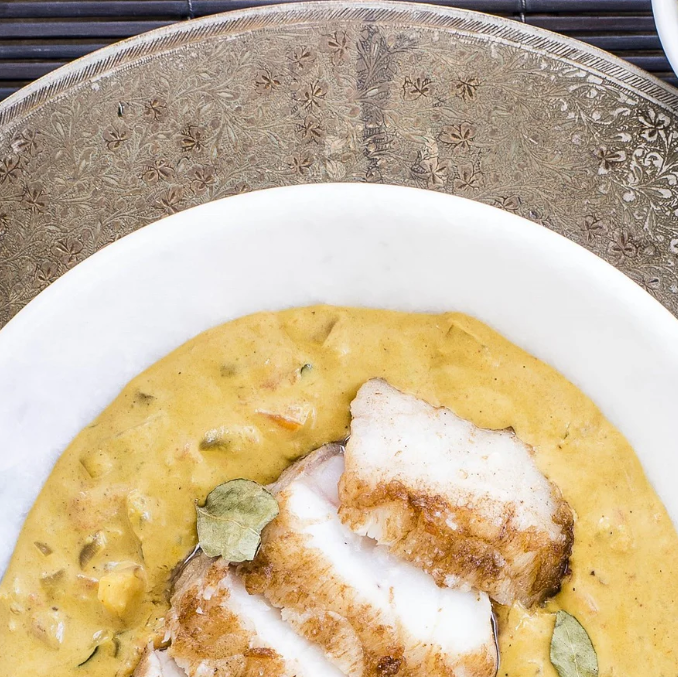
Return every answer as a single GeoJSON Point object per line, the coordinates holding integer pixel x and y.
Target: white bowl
{"type": "Point", "coordinates": [666, 19]}
{"type": "Point", "coordinates": [70, 351]}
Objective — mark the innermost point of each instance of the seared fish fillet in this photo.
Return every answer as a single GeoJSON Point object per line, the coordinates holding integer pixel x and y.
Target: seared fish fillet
{"type": "Point", "coordinates": [372, 613]}
{"type": "Point", "coordinates": [218, 630]}
{"type": "Point", "coordinates": [157, 663]}
{"type": "Point", "coordinates": [463, 503]}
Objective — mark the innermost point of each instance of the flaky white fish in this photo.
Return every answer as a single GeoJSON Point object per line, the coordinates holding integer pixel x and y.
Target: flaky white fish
{"type": "Point", "coordinates": [465, 504]}
{"type": "Point", "coordinates": [157, 663]}
{"type": "Point", "coordinates": [217, 629]}
{"type": "Point", "coordinates": [372, 613]}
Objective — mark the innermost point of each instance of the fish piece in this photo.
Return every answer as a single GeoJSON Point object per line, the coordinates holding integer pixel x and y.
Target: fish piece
{"type": "Point", "coordinates": [157, 663]}
{"type": "Point", "coordinates": [465, 504]}
{"type": "Point", "coordinates": [373, 614]}
{"type": "Point", "coordinates": [217, 629]}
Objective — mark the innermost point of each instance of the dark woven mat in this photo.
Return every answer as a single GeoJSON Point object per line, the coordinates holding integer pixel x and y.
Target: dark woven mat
{"type": "Point", "coordinates": [37, 37]}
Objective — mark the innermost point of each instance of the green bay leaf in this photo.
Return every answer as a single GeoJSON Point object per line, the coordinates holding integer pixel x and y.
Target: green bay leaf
{"type": "Point", "coordinates": [572, 652]}
{"type": "Point", "coordinates": [230, 522]}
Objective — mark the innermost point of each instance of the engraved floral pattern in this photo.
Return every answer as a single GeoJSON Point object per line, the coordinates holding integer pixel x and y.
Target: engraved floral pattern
{"type": "Point", "coordinates": [423, 98]}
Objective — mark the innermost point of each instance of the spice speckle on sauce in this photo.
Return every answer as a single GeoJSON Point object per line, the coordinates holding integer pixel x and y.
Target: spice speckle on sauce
{"type": "Point", "coordinates": [87, 585]}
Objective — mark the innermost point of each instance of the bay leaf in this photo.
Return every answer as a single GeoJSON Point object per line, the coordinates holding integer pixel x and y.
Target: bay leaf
{"type": "Point", "coordinates": [230, 522]}
{"type": "Point", "coordinates": [572, 652]}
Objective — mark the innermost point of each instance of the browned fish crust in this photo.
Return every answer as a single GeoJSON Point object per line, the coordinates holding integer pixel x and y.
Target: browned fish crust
{"type": "Point", "coordinates": [204, 630]}
{"type": "Point", "coordinates": [288, 574]}
{"type": "Point", "coordinates": [505, 561]}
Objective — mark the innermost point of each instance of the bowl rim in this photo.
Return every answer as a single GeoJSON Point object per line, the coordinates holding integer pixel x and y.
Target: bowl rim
{"type": "Point", "coordinates": [666, 20]}
{"type": "Point", "coordinates": [654, 309]}
{"type": "Point", "coordinates": [492, 226]}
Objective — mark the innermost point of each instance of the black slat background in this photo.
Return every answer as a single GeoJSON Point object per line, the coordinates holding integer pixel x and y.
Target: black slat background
{"type": "Point", "coordinates": [37, 37]}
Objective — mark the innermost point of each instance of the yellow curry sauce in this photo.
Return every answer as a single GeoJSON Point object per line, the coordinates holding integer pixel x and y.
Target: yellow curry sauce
{"type": "Point", "coordinates": [244, 400]}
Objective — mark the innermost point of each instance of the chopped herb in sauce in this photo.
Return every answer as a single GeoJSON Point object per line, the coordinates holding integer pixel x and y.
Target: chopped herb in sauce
{"type": "Point", "coordinates": [228, 370]}
{"type": "Point", "coordinates": [144, 398]}
{"type": "Point", "coordinates": [44, 548]}
{"type": "Point", "coordinates": [214, 439]}
{"type": "Point", "coordinates": [92, 545]}
{"type": "Point", "coordinates": [50, 581]}
{"type": "Point", "coordinates": [90, 657]}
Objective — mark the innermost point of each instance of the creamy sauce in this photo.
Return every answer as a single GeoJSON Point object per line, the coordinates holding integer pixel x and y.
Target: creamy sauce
{"type": "Point", "coordinates": [249, 397]}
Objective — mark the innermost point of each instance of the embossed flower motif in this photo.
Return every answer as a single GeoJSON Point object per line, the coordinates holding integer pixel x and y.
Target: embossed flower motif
{"type": "Point", "coordinates": [510, 203]}
{"type": "Point", "coordinates": [191, 138]}
{"type": "Point", "coordinates": [353, 98]}
{"type": "Point", "coordinates": [458, 136]}
{"type": "Point", "coordinates": [310, 130]}
{"type": "Point", "coordinates": [652, 160]}
{"type": "Point", "coordinates": [34, 198]}
{"type": "Point", "coordinates": [312, 97]}
{"type": "Point", "coordinates": [434, 170]}
{"type": "Point", "coordinates": [67, 250]}
{"type": "Point", "coordinates": [377, 146]}
{"type": "Point", "coordinates": [591, 227]}
{"type": "Point", "coordinates": [202, 178]}
{"type": "Point", "coordinates": [337, 45]}
{"type": "Point", "coordinates": [653, 123]}
{"type": "Point", "coordinates": [266, 82]}
{"type": "Point", "coordinates": [170, 200]}
{"type": "Point", "coordinates": [115, 137]}
{"type": "Point", "coordinates": [374, 175]}
{"type": "Point", "coordinates": [300, 164]}
{"type": "Point", "coordinates": [415, 88]}
{"type": "Point", "coordinates": [334, 169]}
{"type": "Point", "coordinates": [647, 248]}
{"type": "Point", "coordinates": [622, 245]}
{"type": "Point", "coordinates": [46, 271]}
{"type": "Point", "coordinates": [4, 224]}
{"type": "Point", "coordinates": [10, 169]}
{"type": "Point", "coordinates": [466, 88]}
{"type": "Point", "coordinates": [301, 59]}
{"type": "Point", "coordinates": [467, 178]}
{"type": "Point", "coordinates": [158, 171]}
{"type": "Point", "coordinates": [155, 109]}
{"type": "Point", "coordinates": [607, 159]}
{"type": "Point", "coordinates": [26, 142]}
{"type": "Point", "coordinates": [651, 283]}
